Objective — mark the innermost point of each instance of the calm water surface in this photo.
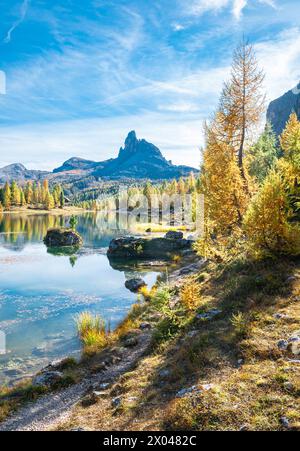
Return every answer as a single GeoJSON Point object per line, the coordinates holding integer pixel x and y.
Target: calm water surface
{"type": "Point", "coordinates": [40, 292]}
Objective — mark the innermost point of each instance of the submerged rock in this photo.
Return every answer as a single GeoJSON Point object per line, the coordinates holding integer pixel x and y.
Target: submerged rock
{"type": "Point", "coordinates": [63, 238]}
{"type": "Point", "coordinates": [144, 248]}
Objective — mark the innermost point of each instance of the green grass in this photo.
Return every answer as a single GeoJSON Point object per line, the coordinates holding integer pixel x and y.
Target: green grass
{"type": "Point", "coordinates": [91, 331]}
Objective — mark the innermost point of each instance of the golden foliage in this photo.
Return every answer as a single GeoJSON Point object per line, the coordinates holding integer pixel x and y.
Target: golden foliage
{"type": "Point", "coordinates": [290, 141]}
{"type": "Point", "coordinates": [148, 294]}
{"type": "Point", "coordinates": [190, 295]}
{"type": "Point", "coordinates": [267, 223]}
{"type": "Point", "coordinates": [223, 186]}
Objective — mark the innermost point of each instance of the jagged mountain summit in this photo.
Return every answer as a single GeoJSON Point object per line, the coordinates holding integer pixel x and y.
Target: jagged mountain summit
{"type": "Point", "coordinates": [280, 109]}
{"type": "Point", "coordinates": [138, 159]}
{"type": "Point", "coordinates": [141, 159]}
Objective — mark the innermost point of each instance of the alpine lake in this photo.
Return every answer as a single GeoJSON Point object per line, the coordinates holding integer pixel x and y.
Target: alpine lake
{"type": "Point", "coordinates": [42, 290]}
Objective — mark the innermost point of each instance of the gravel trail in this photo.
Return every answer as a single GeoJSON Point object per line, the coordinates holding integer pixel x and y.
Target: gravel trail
{"type": "Point", "coordinates": [49, 410]}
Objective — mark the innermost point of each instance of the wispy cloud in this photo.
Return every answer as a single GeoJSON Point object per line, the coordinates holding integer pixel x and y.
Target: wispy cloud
{"type": "Point", "coordinates": [23, 12]}
{"type": "Point", "coordinates": [238, 6]}
{"type": "Point", "coordinates": [90, 83]}
{"type": "Point", "coordinates": [199, 7]}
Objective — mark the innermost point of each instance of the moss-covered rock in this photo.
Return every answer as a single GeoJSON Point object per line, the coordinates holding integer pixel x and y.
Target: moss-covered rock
{"type": "Point", "coordinates": [144, 248]}
{"type": "Point", "coordinates": [56, 238]}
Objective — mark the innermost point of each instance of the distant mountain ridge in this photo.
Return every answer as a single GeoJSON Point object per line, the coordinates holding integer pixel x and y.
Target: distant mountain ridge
{"type": "Point", "coordinates": [138, 159]}
{"type": "Point", "coordinates": [280, 109]}
{"type": "Point", "coordinates": [19, 173]}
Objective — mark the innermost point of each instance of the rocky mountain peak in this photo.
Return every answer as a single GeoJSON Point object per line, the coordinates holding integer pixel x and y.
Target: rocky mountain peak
{"type": "Point", "coordinates": [16, 167]}
{"type": "Point", "coordinates": [134, 146]}
{"type": "Point", "coordinates": [280, 109]}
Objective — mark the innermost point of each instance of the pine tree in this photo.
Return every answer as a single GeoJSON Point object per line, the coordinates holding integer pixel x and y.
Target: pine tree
{"type": "Point", "coordinates": [49, 201]}
{"type": "Point", "coordinates": [29, 193]}
{"type": "Point", "coordinates": [222, 184]}
{"type": "Point", "coordinates": [15, 194]}
{"type": "Point", "coordinates": [263, 155]}
{"type": "Point", "coordinates": [290, 164]}
{"type": "Point", "coordinates": [290, 141]}
{"type": "Point", "coordinates": [35, 194]}
{"type": "Point", "coordinates": [242, 102]}
{"type": "Point", "coordinates": [44, 191]}
{"type": "Point", "coordinates": [22, 198]}
{"type": "Point", "coordinates": [7, 197]}
{"type": "Point", "coordinates": [181, 186]}
{"type": "Point", "coordinates": [62, 199]}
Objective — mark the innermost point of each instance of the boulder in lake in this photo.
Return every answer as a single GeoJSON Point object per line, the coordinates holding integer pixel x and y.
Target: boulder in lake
{"type": "Point", "coordinates": [147, 248]}
{"type": "Point", "coordinates": [62, 238]}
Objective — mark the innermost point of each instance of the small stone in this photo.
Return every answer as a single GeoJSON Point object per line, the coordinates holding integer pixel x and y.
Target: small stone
{"type": "Point", "coordinates": [294, 361]}
{"type": "Point", "coordinates": [89, 400]}
{"type": "Point", "coordinates": [132, 399]}
{"type": "Point", "coordinates": [98, 368]}
{"type": "Point", "coordinates": [164, 373]}
{"type": "Point", "coordinates": [115, 359]}
{"type": "Point", "coordinates": [104, 386]}
{"type": "Point", "coordinates": [285, 422]}
{"type": "Point", "coordinates": [282, 345]}
{"type": "Point", "coordinates": [288, 386]}
{"type": "Point", "coordinates": [131, 342]}
{"type": "Point", "coordinates": [116, 402]}
{"type": "Point", "coordinates": [135, 285]}
{"type": "Point", "coordinates": [280, 316]}
{"type": "Point", "coordinates": [294, 339]}
{"type": "Point", "coordinates": [244, 428]}
{"type": "Point", "coordinates": [47, 379]}
{"type": "Point", "coordinates": [240, 362]}
{"type": "Point", "coordinates": [209, 315]}
{"type": "Point", "coordinates": [187, 391]}
{"type": "Point", "coordinates": [291, 279]}
{"type": "Point", "coordinates": [99, 394]}
{"type": "Point", "coordinates": [192, 333]}
{"type": "Point", "coordinates": [207, 387]}
{"type": "Point", "coordinates": [145, 326]}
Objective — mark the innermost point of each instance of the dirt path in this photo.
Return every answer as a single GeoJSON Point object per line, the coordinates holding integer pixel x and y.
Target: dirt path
{"type": "Point", "coordinates": [48, 411]}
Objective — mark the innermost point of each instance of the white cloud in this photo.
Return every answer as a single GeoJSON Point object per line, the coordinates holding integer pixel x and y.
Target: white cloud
{"type": "Point", "coordinates": [23, 12]}
{"type": "Point", "coordinates": [280, 59]}
{"type": "Point", "coordinates": [199, 7]}
{"type": "Point", "coordinates": [238, 6]}
{"type": "Point", "coordinates": [178, 27]}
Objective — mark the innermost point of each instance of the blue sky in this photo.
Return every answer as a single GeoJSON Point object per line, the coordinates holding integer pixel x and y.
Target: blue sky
{"type": "Point", "coordinates": [81, 74]}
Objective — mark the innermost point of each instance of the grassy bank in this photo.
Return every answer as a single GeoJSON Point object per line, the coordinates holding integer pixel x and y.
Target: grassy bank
{"type": "Point", "coordinates": [213, 371]}
{"type": "Point", "coordinates": [213, 362]}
